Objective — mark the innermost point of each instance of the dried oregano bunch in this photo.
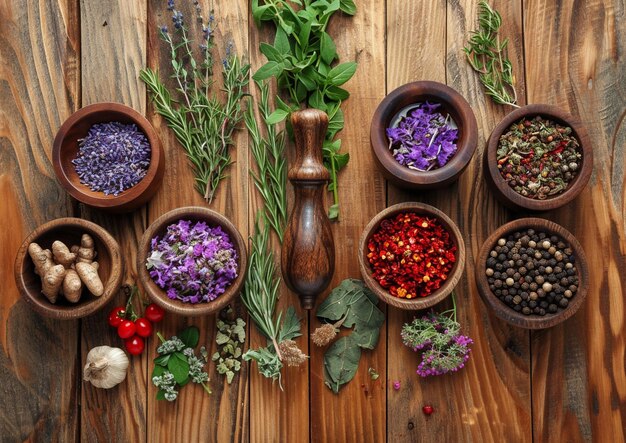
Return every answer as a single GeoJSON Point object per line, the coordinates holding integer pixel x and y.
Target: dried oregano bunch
{"type": "Point", "coordinates": [203, 122]}
{"type": "Point", "coordinates": [229, 338]}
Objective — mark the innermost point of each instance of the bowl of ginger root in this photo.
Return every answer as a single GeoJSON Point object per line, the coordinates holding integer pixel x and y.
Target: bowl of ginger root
{"type": "Point", "coordinates": [68, 268]}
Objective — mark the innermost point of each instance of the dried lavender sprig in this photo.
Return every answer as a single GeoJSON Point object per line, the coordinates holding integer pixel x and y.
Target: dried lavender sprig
{"type": "Point", "coordinates": [203, 124]}
{"type": "Point", "coordinates": [112, 158]}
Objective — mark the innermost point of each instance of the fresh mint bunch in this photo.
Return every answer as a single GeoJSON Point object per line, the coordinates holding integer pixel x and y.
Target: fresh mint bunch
{"type": "Point", "coordinates": [302, 59]}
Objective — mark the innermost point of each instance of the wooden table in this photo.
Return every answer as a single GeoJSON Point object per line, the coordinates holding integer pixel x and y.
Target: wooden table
{"type": "Point", "coordinates": [563, 384]}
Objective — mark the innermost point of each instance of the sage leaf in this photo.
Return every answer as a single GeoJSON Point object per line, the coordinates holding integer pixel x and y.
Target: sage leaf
{"type": "Point", "coordinates": [162, 359]}
{"type": "Point", "coordinates": [281, 42]}
{"type": "Point", "coordinates": [348, 7]}
{"type": "Point", "coordinates": [328, 50]}
{"type": "Point", "coordinates": [269, 69]}
{"type": "Point", "coordinates": [271, 53]}
{"type": "Point", "coordinates": [290, 328]}
{"type": "Point", "coordinates": [276, 117]}
{"type": "Point", "coordinates": [341, 362]}
{"type": "Point", "coordinates": [158, 371]}
{"type": "Point", "coordinates": [190, 336]}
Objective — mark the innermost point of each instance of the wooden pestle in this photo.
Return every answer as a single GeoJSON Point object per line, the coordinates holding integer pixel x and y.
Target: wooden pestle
{"type": "Point", "coordinates": [308, 251]}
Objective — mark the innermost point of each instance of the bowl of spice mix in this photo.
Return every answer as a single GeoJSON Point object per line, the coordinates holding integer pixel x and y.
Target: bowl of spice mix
{"type": "Point", "coordinates": [108, 156]}
{"type": "Point", "coordinates": [538, 158]}
{"type": "Point", "coordinates": [411, 255]}
{"type": "Point", "coordinates": [423, 135]}
{"type": "Point", "coordinates": [68, 268]}
{"type": "Point", "coordinates": [532, 273]}
{"type": "Point", "coordinates": [192, 261]}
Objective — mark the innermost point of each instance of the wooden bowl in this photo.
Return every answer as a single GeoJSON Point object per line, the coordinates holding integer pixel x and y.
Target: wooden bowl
{"type": "Point", "coordinates": [158, 228]}
{"type": "Point", "coordinates": [453, 104]}
{"type": "Point", "coordinates": [507, 314]}
{"type": "Point", "coordinates": [500, 187]}
{"type": "Point", "coordinates": [69, 231]}
{"type": "Point", "coordinates": [453, 278]}
{"type": "Point", "coordinates": [65, 149]}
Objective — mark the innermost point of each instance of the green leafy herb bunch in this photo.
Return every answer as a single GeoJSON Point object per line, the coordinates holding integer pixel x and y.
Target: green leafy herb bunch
{"type": "Point", "coordinates": [302, 59]}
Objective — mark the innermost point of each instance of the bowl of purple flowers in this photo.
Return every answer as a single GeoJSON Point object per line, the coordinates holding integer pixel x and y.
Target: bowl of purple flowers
{"type": "Point", "coordinates": [423, 135]}
{"type": "Point", "coordinates": [108, 156]}
{"type": "Point", "coordinates": [192, 261]}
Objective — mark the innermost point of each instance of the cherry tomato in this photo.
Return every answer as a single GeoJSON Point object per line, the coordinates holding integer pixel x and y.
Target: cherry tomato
{"type": "Point", "coordinates": [116, 316]}
{"type": "Point", "coordinates": [144, 327]}
{"type": "Point", "coordinates": [126, 329]}
{"type": "Point", "coordinates": [154, 313]}
{"type": "Point", "coordinates": [134, 345]}
{"type": "Point", "coordinates": [428, 409]}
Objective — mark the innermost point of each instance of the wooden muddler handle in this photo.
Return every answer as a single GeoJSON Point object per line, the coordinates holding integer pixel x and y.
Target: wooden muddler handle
{"type": "Point", "coordinates": [308, 251]}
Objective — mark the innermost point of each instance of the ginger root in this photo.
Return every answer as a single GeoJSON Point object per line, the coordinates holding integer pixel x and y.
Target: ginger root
{"type": "Point", "coordinates": [65, 271]}
{"type": "Point", "coordinates": [62, 254]}
{"type": "Point", "coordinates": [86, 251]}
{"type": "Point", "coordinates": [72, 286]}
{"type": "Point", "coordinates": [41, 258]}
{"type": "Point", "coordinates": [51, 282]}
{"type": "Point", "coordinates": [90, 277]}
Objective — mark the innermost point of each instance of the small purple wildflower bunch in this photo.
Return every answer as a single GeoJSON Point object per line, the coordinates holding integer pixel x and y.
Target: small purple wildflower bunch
{"type": "Point", "coordinates": [438, 338]}
{"type": "Point", "coordinates": [193, 262]}
{"type": "Point", "coordinates": [424, 139]}
{"type": "Point", "coordinates": [112, 158]}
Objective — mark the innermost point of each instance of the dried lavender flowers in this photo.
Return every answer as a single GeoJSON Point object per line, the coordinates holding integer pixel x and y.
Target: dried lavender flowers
{"type": "Point", "coordinates": [538, 158]}
{"type": "Point", "coordinates": [112, 158]}
{"type": "Point", "coordinates": [423, 139]}
{"type": "Point", "coordinates": [193, 262]}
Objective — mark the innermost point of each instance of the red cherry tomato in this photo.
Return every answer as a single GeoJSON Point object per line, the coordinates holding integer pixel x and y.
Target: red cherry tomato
{"type": "Point", "coordinates": [116, 316]}
{"type": "Point", "coordinates": [154, 313]}
{"type": "Point", "coordinates": [126, 329]}
{"type": "Point", "coordinates": [144, 327]}
{"type": "Point", "coordinates": [428, 409]}
{"type": "Point", "coordinates": [134, 345]}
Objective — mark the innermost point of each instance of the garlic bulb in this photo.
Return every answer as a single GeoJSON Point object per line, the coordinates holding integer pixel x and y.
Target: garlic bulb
{"type": "Point", "coordinates": [106, 367]}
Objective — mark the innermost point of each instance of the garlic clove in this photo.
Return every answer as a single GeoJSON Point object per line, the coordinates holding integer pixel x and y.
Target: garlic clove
{"type": "Point", "coordinates": [105, 367]}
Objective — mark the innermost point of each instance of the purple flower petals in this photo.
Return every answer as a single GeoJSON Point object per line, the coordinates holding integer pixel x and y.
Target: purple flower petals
{"type": "Point", "coordinates": [112, 158]}
{"type": "Point", "coordinates": [424, 139]}
{"type": "Point", "coordinates": [193, 262]}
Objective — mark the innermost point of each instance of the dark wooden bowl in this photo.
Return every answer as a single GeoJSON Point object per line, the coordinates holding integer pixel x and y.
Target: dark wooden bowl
{"type": "Point", "coordinates": [453, 104]}
{"type": "Point", "coordinates": [453, 278]}
{"type": "Point", "coordinates": [504, 192]}
{"type": "Point", "coordinates": [158, 228]}
{"type": "Point", "coordinates": [65, 149]}
{"type": "Point", "coordinates": [69, 231]}
{"type": "Point", "coordinates": [507, 314]}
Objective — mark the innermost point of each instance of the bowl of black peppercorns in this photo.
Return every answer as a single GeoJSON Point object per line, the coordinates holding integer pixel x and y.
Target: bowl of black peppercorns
{"type": "Point", "coordinates": [532, 273]}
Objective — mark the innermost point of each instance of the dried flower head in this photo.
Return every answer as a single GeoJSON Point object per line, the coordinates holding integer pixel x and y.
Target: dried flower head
{"type": "Point", "coordinates": [324, 334]}
{"type": "Point", "coordinates": [291, 353]}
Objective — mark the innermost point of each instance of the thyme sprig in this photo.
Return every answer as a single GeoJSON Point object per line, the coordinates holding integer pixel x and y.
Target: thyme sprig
{"type": "Point", "coordinates": [270, 178]}
{"type": "Point", "coordinates": [487, 54]}
{"type": "Point", "coordinates": [204, 124]}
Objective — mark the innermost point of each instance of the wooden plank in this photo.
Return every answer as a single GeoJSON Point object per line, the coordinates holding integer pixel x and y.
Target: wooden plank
{"type": "Point", "coordinates": [431, 50]}
{"type": "Point", "coordinates": [195, 416]}
{"type": "Point", "coordinates": [39, 86]}
{"type": "Point", "coordinates": [272, 416]}
{"type": "Point", "coordinates": [575, 61]}
{"type": "Point", "coordinates": [358, 412]}
{"type": "Point", "coordinates": [113, 36]}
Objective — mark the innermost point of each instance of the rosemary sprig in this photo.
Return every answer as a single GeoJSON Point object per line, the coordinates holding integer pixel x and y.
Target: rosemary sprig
{"type": "Point", "coordinates": [203, 123]}
{"type": "Point", "coordinates": [487, 54]}
{"type": "Point", "coordinates": [270, 178]}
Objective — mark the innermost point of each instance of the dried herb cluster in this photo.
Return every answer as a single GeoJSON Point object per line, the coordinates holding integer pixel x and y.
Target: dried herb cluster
{"type": "Point", "coordinates": [203, 122]}
{"type": "Point", "coordinates": [229, 338]}
{"type": "Point", "coordinates": [301, 60]}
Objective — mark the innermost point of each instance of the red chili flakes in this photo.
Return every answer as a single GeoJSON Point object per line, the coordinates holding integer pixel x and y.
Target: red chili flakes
{"type": "Point", "coordinates": [411, 255]}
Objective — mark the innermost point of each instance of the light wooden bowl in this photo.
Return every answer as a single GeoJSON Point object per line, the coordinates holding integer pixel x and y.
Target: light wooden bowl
{"type": "Point", "coordinates": [65, 149]}
{"type": "Point", "coordinates": [507, 314]}
{"type": "Point", "coordinates": [69, 231]}
{"type": "Point", "coordinates": [453, 278]}
{"type": "Point", "coordinates": [158, 228]}
{"type": "Point", "coordinates": [452, 103]}
{"type": "Point", "coordinates": [498, 184]}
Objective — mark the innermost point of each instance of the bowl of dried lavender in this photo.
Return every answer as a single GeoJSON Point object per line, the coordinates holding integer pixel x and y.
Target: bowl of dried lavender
{"type": "Point", "coordinates": [192, 261]}
{"type": "Point", "coordinates": [423, 135]}
{"type": "Point", "coordinates": [538, 158]}
{"type": "Point", "coordinates": [108, 156]}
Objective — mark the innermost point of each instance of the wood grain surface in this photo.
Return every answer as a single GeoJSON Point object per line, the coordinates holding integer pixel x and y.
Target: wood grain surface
{"type": "Point", "coordinates": [567, 383]}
